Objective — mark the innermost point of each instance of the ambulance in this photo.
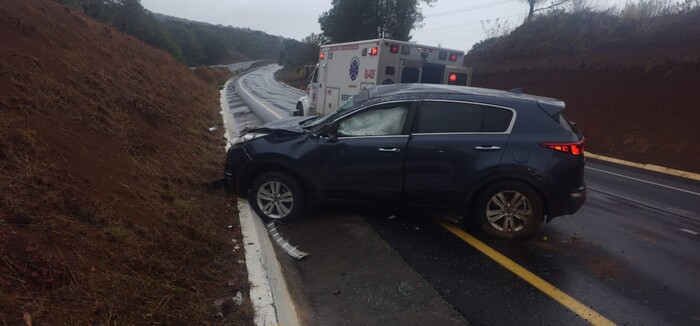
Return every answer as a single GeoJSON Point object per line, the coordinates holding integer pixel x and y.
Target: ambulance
{"type": "Point", "coordinates": [345, 69]}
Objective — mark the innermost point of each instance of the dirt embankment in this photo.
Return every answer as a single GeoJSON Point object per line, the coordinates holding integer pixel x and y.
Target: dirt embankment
{"type": "Point", "coordinates": [105, 157]}
{"type": "Point", "coordinates": [632, 87]}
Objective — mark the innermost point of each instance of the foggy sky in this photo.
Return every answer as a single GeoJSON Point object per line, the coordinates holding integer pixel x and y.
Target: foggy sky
{"type": "Point", "coordinates": [455, 24]}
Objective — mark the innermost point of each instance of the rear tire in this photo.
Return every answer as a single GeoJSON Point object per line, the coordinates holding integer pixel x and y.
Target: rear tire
{"type": "Point", "coordinates": [276, 196]}
{"type": "Point", "coordinates": [300, 110]}
{"type": "Point", "coordinates": [509, 210]}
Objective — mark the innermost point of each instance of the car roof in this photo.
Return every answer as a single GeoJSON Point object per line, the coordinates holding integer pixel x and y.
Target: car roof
{"type": "Point", "coordinates": [436, 90]}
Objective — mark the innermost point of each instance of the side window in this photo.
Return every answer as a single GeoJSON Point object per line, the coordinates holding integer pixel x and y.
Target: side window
{"type": "Point", "coordinates": [315, 76]}
{"type": "Point", "coordinates": [448, 117]}
{"type": "Point", "coordinates": [496, 120]}
{"type": "Point", "coordinates": [383, 121]}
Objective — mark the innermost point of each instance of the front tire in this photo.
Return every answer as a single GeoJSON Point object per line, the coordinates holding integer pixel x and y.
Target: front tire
{"type": "Point", "coordinates": [276, 196]}
{"type": "Point", "coordinates": [509, 210]}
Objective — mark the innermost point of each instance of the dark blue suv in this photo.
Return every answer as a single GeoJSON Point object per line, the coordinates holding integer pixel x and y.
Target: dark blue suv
{"type": "Point", "coordinates": [507, 159]}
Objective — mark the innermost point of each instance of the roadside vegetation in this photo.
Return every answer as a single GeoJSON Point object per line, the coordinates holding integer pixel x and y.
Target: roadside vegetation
{"type": "Point", "coordinates": [191, 43]}
{"type": "Point", "coordinates": [394, 19]}
{"type": "Point", "coordinates": [579, 28]}
{"type": "Point", "coordinates": [107, 214]}
{"type": "Point", "coordinates": [628, 75]}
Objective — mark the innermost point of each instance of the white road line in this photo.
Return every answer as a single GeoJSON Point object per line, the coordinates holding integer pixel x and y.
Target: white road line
{"type": "Point", "coordinates": [256, 100]}
{"type": "Point", "coordinates": [645, 181]}
{"type": "Point", "coordinates": [690, 232]}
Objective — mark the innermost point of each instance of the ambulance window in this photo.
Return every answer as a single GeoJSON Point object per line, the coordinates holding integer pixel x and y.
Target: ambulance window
{"type": "Point", "coordinates": [315, 77]}
{"type": "Point", "coordinates": [432, 74]}
{"type": "Point", "coordinates": [409, 75]}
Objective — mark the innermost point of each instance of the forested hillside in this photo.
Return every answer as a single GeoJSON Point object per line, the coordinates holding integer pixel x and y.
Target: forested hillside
{"type": "Point", "coordinates": [191, 43]}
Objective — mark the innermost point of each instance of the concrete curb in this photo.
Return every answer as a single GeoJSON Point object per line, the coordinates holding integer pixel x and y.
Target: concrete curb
{"type": "Point", "coordinates": [648, 167]}
{"type": "Point", "coordinates": [271, 298]}
{"type": "Point", "coordinates": [268, 291]}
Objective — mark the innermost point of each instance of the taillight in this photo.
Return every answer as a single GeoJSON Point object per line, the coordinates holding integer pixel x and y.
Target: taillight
{"type": "Point", "coordinates": [394, 48]}
{"type": "Point", "coordinates": [453, 56]}
{"type": "Point", "coordinates": [572, 148]}
{"type": "Point", "coordinates": [453, 77]}
{"type": "Point", "coordinates": [321, 56]}
{"type": "Point", "coordinates": [374, 51]}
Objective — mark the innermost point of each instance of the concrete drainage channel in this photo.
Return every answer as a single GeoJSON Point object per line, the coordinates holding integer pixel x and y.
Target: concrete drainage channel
{"type": "Point", "coordinates": [268, 292]}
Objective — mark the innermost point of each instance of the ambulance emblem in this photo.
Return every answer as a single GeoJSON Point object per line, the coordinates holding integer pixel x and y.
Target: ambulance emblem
{"type": "Point", "coordinates": [354, 68]}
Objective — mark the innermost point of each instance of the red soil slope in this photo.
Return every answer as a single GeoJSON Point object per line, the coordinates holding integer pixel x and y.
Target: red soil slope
{"type": "Point", "coordinates": [105, 153]}
{"type": "Point", "coordinates": [634, 96]}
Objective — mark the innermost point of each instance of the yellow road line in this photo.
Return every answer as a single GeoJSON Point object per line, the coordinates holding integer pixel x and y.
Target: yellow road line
{"type": "Point", "coordinates": [256, 100]}
{"type": "Point", "coordinates": [649, 167]}
{"type": "Point", "coordinates": [572, 304]}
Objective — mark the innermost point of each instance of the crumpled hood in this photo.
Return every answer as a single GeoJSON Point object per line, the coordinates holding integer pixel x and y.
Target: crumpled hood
{"type": "Point", "coordinates": [290, 125]}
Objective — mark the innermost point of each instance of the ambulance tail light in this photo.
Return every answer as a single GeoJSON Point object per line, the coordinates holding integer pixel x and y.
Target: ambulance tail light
{"type": "Point", "coordinates": [453, 56]}
{"type": "Point", "coordinates": [374, 51]}
{"type": "Point", "coordinates": [394, 48]}
{"type": "Point", "coordinates": [321, 56]}
{"type": "Point", "coordinates": [457, 79]}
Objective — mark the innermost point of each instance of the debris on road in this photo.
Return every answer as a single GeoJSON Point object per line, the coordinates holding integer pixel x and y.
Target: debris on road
{"type": "Point", "coordinates": [284, 244]}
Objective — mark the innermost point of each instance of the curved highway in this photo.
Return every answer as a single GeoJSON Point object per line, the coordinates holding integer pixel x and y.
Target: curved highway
{"type": "Point", "coordinates": [269, 99]}
{"type": "Point", "coordinates": [630, 256]}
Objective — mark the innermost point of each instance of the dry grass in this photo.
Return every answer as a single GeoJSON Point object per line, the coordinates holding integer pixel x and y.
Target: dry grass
{"type": "Point", "coordinates": [105, 158]}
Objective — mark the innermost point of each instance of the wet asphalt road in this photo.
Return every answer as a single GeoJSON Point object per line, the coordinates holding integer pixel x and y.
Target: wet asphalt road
{"type": "Point", "coordinates": [632, 253]}
{"type": "Point", "coordinates": [275, 100]}
{"type": "Point", "coordinates": [622, 255]}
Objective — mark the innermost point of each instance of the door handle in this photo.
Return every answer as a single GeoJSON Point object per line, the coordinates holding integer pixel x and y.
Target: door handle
{"type": "Point", "coordinates": [487, 148]}
{"type": "Point", "coordinates": [388, 150]}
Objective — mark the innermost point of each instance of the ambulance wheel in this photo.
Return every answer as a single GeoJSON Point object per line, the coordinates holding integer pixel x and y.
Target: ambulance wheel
{"type": "Point", "coordinates": [300, 110]}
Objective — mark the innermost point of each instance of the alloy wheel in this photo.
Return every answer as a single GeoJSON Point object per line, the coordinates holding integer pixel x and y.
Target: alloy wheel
{"type": "Point", "coordinates": [509, 211]}
{"type": "Point", "coordinates": [275, 199]}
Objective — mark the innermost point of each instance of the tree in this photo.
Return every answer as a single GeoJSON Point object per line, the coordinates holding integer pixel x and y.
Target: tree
{"type": "Point", "coordinates": [316, 39]}
{"type": "Point", "coordinates": [533, 3]}
{"type": "Point", "coordinates": [353, 20]}
{"type": "Point", "coordinates": [295, 54]}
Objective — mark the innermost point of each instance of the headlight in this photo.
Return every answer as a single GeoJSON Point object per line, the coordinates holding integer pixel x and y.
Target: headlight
{"type": "Point", "coordinates": [250, 136]}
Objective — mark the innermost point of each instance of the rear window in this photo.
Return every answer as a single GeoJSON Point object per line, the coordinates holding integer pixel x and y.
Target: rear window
{"type": "Point", "coordinates": [449, 117]}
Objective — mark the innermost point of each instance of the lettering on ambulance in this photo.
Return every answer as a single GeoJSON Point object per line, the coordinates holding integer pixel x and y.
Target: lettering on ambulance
{"type": "Point", "coordinates": [411, 63]}
{"type": "Point", "coordinates": [345, 47]}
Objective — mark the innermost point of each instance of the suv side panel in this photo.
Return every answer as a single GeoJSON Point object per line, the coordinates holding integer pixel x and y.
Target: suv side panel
{"type": "Point", "coordinates": [452, 152]}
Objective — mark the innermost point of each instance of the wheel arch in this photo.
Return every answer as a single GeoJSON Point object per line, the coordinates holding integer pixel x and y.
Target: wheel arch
{"type": "Point", "coordinates": [266, 167]}
{"type": "Point", "coordinates": [472, 194]}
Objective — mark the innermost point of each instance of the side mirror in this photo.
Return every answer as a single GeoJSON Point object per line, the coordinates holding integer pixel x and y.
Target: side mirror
{"type": "Point", "coordinates": [331, 132]}
{"type": "Point", "coordinates": [333, 137]}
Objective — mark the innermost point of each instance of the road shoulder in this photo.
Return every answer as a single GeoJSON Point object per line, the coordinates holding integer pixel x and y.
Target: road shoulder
{"type": "Point", "coordinates": [352, 276]}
